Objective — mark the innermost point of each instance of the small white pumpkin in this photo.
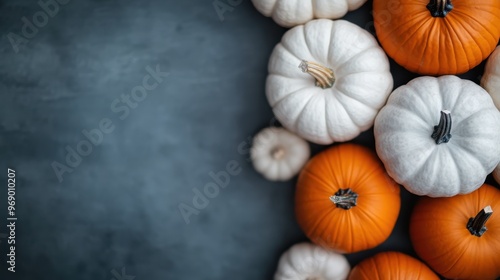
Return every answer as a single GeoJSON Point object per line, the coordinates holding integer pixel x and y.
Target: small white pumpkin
{"type": "Point", "coordinates": [347, 81]}
{"type": "Point", "coordinates": [491, 77]}
{"type": "Point", "coordinates": [278, 154]}
{"type": "Point", "coordinates": [288, 13]}
{"type": "Point", "coordinates": [305, 261]}
{"type": "Point", "coordinates": [439, 136]}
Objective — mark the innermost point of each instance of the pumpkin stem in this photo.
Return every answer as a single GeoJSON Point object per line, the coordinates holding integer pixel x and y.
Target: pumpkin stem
{"type": "Point", "coordinates": [324, 76]}
{"type": "Point", "coordinates": [439, 8]}
{"type": "Point", "coordinates": [277, 153]}
{"type": "Point", "coordinates": [442, 131]}
{"type": "Point", "coordinates": [476, 225]}
{"type": "Point", "coordinates": [345, 199]}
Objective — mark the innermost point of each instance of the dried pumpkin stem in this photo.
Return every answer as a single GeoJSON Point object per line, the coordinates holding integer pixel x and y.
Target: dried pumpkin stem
{"type": "Point", "coordinates": [442, 131]}
{"type": "Point", "coordinates": [277, 153]}
{"type": "Point", "coordinates": [476, 225]}
{"type": "Point", "coordinates": [345, 199]}
{"type": "Point", "coordinates": [439, 8]}
{"type": "Point", "coordinates": [324, 76]}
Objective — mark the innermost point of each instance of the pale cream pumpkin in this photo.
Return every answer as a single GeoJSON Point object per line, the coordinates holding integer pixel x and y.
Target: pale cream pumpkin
{"type": "Point", "coordinates": [327, 80]}
{"type": "Point", "coordinates": [278, 154]}
{"type": "Point", "coordinates": [439, 136]}
{"type": "Point", "coordinates": [491, 82]}
{"type": "Point", "coordinates": [306, 261]}
{"type": "Point", "coordinates": [491, 77]}
{"type": "Point", "coordinates": [289, 13]}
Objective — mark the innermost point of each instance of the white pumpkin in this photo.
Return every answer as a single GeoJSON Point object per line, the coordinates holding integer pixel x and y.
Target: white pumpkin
{"type": "Point", "coordinates": [439, 136]}
{"type": "Point", "coordinates": [288, 13]}
{"type": "Point", "coordinates": [278, 154]}
{"type": "Point", "coordinates": [347, 80]}
{"type": "Point", "coordinates": [491, 77]}
{"type": "Point", "coordinates": [305, 261]}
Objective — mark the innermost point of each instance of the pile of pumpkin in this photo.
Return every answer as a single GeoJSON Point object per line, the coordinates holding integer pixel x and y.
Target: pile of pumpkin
{"type": "Point", "coordinates": [438, 136]}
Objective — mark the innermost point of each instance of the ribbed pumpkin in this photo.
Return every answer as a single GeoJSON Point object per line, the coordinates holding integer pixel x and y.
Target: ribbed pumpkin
{"type": "Point", "coordinates": [345, 200]}
{"type": "Point", "coordinates": [392, 266]}
{"type": "Point", "coordinates": [437, 37]}
{"type": "Point", "coordinates": [459, 237]}
{"type": "Point", "coordinates": [491, 77]}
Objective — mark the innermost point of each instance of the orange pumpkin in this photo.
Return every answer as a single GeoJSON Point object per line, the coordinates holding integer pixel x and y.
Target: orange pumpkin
{"type": "Point", "coordinates": [459, 237]}
{"type": "Point", "coordinates": [392, 266]}
{"type": "Point", "coordinates": [437, 37]}
{"type": "Point", "coordinates": [345, 200]}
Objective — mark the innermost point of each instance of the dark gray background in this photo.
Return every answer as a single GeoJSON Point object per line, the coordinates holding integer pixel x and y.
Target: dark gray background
{"type": "Point", "coordinates": [119, 207]}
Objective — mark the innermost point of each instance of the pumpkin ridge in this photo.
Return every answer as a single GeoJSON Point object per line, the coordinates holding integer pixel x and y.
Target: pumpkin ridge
{"type": "Point", "coordinates": [320, 231]}
{"type": "Point", "coordinates": [314, 5]}
{"type": "Point", "coordinates": [408, 111]}
{"type": "Point", "coordinates": [457, 169]}
{"type": "Point", "coordinates": [284, 43]}
{"type": "Point", "coordinates": [361, 180]}
{"type": "Point", "coordinates": [351, 58]}
{"type": "Point", "coordinates": [330, 168]}
{"type": "Point", "coordinates": [454, 37]}
{"type": "Point", "coordinates": [423, 104]}
{"type": "Point", "coordinates": [329, 40]}
{"type": "Point", "coordinates": [398, 101]}
{"type": "Point", "coordinates": [299, 115]}
{"type": "Point", "coordinates": [340, 219]}
{"type": "Point", "coordinates": [332, 39]}
{"type": "Point", "coordinates": [276, 103]}
{"type": "Point", "coordinates": [318, 178]}
{"type": "Point", "coordinates": [353, 236]}
{"type": "Point", "coordinates": [409, 22]}
{"type": "Point", "coordinates": [353, 98]}
{"type": "Point", "coordinates": [419, 169]}
{"type": "Point", "coordinates": [288, 164]}
{"type": "Point", "coordinates": [461, 39]}
{"type": "Point", "coordinates": [458, 258]}
{"type": "Point", "coordinates": [478, 23]}
{"type": "Point", "coordinates": [329, 126]}
{"type": "Point", "coordinates": [451, 107]}
{"type": "Point", "coordinates": [373, 224]}
{"type": "Point", "coordinates": [314, 227]}
{"type": "Point", "coordinates": [292, 126]}
{"type": "Point", "coordinates": [304, 38]}
{"type": "Point", "coordinates": [466, 30]}
{"type": "Point", "coordinates": [341, 108]}
{"type": "Point", "coordinates": [460, 122]}
{"type": "Point", "coordinates": [273, 8]}
{"type": "Point", "coordinates": [433, 26]}
{"type": "Point", "coordinates": [446, 41]}
{"type": "Point", "coordinates": [345, 106]}
{"type": "Point", "coordinates": [410, 37]}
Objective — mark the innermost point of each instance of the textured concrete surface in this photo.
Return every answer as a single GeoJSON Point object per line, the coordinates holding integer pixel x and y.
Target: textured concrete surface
{"type": "Point", "coordinates": [118, 206]}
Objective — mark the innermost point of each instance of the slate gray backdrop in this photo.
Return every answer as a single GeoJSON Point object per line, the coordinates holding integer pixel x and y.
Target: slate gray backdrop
{"type": "Point", "coordinates": [119, 207]}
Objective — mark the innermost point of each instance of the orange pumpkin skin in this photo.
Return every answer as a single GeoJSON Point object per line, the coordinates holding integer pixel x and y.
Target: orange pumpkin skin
{"type": "Point", "coordinates": [439, 234]}
{"type": "Point", "coordinates": [429, 45]}
{"type": "Point", "coordinates": [361, 227]}
{"type": "Point", "coordinates": [392, 266]}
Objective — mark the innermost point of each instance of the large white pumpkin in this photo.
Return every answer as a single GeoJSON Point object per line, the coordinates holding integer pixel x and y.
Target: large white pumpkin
{"type": "Point", "coordinates": [289, 13]}
{"type": "Point", "coordinates": [439, 136]}
{"type": "Point", "coordinates": [347, 80]}
{"type": "Point", "coordinates": [308, 261]}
